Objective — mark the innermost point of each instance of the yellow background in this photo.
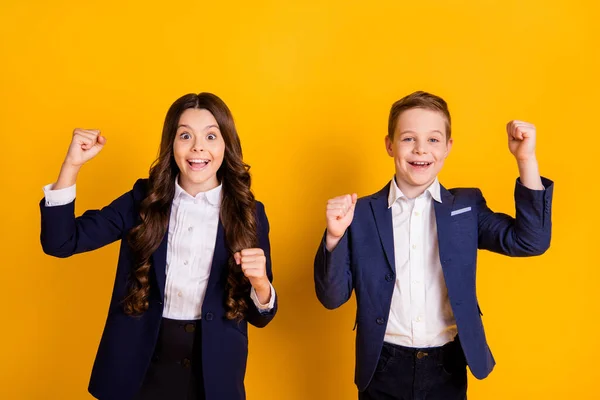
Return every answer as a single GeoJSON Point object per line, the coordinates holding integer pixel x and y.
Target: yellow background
{"type": "Point", "coordinates": [310, 85]}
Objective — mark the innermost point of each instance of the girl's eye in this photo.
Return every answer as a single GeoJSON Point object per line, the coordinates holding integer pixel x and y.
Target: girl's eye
{"type": "Point", "coordinates": [211, 136]}
{"type": "Point", "coordinates": [185, 136]}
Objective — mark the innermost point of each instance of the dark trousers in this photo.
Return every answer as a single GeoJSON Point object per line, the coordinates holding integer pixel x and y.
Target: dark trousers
{"type": "Point", "coordinates": [175, 372]}
{"type": "Point", "coordinates": [405, 373]}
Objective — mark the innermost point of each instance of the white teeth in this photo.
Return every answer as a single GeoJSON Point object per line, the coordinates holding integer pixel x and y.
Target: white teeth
{"type": "Point", "coordinates": [198, 161]}
{"type": "Point", "coordinates": [420, 163]}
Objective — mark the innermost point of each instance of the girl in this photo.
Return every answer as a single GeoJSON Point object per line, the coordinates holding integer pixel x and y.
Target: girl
{"type": "Point", "coordinates": [194, 265]}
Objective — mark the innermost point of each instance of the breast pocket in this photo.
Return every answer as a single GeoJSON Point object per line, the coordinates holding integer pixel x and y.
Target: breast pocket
{"type": "Point", "coordinates": [464, 226]}
{"type": "Point", "coordinates": [462, 215]}
{"type": "Point", "coordinates": [463, 238]}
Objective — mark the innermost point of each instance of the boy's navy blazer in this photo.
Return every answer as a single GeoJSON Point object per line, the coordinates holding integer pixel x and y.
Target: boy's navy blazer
{"type": "Point", "coordinates": [128, 343]}
{"type": "Point", "coordinates": [363, 261]}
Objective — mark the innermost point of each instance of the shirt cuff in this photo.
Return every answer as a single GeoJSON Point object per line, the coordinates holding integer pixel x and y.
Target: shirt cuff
{"type": "Point", "coordinates": [263, 307]}
{"type": "Point", "coordinates": [59, 197]}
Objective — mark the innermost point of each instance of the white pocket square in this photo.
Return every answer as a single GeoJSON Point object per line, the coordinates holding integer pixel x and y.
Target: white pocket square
{"type": "Point", "coordinates": [462, 210]}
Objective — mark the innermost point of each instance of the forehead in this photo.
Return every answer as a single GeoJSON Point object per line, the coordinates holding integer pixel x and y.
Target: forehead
{"type": "Point", "coordinates": [197, 119]}
{"type": "Point", "coordinates": [421, 120]}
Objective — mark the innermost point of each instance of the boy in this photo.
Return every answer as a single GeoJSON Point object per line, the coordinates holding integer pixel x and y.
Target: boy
{"type": "Point", "coordinates": [409, 251]}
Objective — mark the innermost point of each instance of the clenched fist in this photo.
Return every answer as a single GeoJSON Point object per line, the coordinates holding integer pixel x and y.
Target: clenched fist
{"type": "Point", "coordinates": [340, 212]}
{"type": "Point", "coordinates": [254, 266]}
{"type": "Point", "coordinates": [521, 139]}
{"type": "Point", "coordinates": [85, 145]}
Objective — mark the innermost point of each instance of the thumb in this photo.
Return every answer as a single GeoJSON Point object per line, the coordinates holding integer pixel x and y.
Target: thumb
{"type": "Point", "coordinates": [354, 199]}
{"type": "Point", "coordinates": [101, 140]}
{"type": "Point", "coordinates": [237, 257]}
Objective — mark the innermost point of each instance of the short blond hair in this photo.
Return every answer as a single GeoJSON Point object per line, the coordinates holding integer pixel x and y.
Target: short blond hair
{"type": "Point", "coordinates": [418, 99]}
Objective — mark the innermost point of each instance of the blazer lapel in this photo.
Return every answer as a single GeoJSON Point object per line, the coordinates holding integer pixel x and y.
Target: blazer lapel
{"type": "Point", "coordinates": [444, 225]}
{"type": "Point", "coordinates": [159, 262]}
{"type": "Point", "coordinates": [383, 221]}
{"type": "Point", "coordinates": [219, 267]}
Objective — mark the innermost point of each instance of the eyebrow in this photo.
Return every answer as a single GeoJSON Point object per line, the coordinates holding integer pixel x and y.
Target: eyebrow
{"type": "Point", "coordinates": [409, 131]}
{"type": "Point", "coordinates": [205, 128]}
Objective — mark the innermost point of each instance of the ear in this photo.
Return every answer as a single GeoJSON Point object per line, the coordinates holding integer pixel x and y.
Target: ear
{"type": "Point", "coordinates": [448, 147]}
{"type": "Point", "coordinates": [388, 146]}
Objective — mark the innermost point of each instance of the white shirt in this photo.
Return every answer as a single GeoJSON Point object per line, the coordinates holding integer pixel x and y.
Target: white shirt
{"type": "Point", "coordinates": [420, 314]}
{"type": "Point", "coordinates": [192, 235]}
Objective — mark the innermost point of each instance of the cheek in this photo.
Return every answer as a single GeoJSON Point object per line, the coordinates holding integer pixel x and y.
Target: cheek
{"type": "Point", "coordinates": [178, 150]}
{"type": "Point", "coordinates": [179, 161]}
{"type": "Point", "coordinates": [440, 154]}
{"type": "Point", "coordinates": [400, 152]}
{"type": "Point", "coordinates": [219, 150]}
{"type": "Point", "coordinates": [179, 154]}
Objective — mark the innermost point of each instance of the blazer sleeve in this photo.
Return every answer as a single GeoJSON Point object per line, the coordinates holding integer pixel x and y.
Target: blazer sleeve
{"type": "Point", "coordinates": [62, 234]}
{"type": "Point", "coordinates": [528, 234]}
{"type": "Point", "coordinates": [332, 274]}
{"type": "Point", "coordinates": [254, 316]}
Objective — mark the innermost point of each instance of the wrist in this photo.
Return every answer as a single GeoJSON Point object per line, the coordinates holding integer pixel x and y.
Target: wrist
{"type": "Point", "coordinates": [262, 285]}
{"type": "Point", "coordinates": [331, 241]}
{"type": "Point", "coordinates": [67, 177]}
{"type": "Point", "coordinates": [69, 167]}
{"type": "Point", "coordinates": [529, 173]}
{"type": "Point", "coordinates": [526, 161]}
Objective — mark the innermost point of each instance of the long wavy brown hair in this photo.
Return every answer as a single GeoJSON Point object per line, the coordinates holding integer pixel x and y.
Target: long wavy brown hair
{"type": "Point", "coordinates": [237, 212]}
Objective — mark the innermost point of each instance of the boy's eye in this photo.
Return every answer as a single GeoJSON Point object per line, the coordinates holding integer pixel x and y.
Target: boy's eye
{"type": "Point", "coordinates": [434, 140]}
{"type": "Point", "coordinates": [407, 139]}
{"type": "Point", "coordinates": [185, 136]}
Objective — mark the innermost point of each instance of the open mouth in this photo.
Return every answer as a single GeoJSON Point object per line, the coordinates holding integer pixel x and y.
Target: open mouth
{"type": "Point", "coordinates": [420, 164]}
{"type": "Point", "coordinates": [198, 164]}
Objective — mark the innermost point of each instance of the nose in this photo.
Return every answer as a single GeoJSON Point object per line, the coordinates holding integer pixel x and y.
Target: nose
{"type": "Point", "coordinates": [198, 145]}
{"type": "Point", "coordinates": [420, 147]}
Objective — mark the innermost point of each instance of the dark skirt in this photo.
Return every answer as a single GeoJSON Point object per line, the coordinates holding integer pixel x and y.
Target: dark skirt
{"type": "Point", "coordinates": [175, 372]}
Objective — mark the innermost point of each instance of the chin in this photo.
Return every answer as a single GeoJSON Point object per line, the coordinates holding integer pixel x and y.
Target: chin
{"type": "Point", "coordinates": [194, 179]}
{"type": "Point", "coordinates": [423, 182]}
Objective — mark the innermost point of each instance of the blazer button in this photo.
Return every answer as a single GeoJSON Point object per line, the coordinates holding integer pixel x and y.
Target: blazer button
{"type": "Point", "coordinates": [389, 277]}
{"type": "Point", "coordinates": [380, 321]}
{"type": "Point", "coordinates": [186, 362]}
{"type": "Point", "coordinates": [189, 328]}
{"type": "Point", "coordinates": [208, 316]}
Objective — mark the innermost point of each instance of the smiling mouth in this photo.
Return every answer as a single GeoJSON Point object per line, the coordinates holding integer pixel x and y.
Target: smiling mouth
{"type": "Point", "coordinates": [420, 164]}
{"type": "Point", "coordinates": [198, 164]}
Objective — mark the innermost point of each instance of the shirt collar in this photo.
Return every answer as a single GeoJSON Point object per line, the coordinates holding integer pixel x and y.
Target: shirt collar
{"type": "Point", "coordinates": [213, 196]}
{"type": "Point", "coordinates": [395, 193]}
